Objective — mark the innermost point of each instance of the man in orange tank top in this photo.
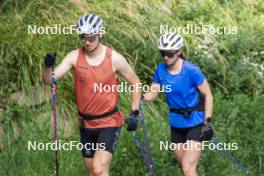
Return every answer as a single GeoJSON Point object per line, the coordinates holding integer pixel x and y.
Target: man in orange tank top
{"type": "Point", "coordinates": [100, 119]}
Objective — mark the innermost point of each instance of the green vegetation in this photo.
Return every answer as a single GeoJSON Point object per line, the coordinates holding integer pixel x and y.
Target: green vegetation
{"type": "Point", "coordinates": [233, 64]}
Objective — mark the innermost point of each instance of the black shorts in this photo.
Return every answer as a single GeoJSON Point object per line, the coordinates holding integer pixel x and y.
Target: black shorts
{"type": "Point", "coordinates": [181, 135]}
{"type": "Point", "coordinates": [98, 139]}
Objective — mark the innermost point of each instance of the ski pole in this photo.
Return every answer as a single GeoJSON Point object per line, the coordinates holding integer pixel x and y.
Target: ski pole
{"type": "Point", "coordinates": [53, 88]}
{"type": "Point", "coordinates": [146, 139]}
{"type": "Point", "coordinates": [230, 157]}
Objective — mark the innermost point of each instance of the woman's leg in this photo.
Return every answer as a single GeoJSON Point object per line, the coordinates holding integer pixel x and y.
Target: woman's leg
{"type": "Point", "coordinates": [190, 158]}
{"type": "Point", "coordinates": [179, 152]}
{"type": "Point", "coordinates": [178, 138]}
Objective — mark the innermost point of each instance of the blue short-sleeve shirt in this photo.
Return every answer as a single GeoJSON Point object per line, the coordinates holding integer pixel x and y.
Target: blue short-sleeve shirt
{"type": "Point", "coordinates": [183, 92]}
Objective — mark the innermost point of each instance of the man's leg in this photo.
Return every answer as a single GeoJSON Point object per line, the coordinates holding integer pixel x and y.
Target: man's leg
{"type": "Point", "coordinates": [101, 163]}
{"type": "Point", "coordinates": [88, 137]}
{"type": "Point", "coordinates": [190, 158]}
{"type": "Point", "coordinates": [89, 165]}
{"type": "Point", "coordinates": [106, 143]}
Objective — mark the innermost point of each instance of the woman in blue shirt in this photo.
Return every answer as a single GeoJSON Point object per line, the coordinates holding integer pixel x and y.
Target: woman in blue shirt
{"type": "Point", "coordinates": [189, 98]}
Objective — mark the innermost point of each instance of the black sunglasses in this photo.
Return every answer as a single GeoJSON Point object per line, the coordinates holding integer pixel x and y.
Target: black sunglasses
{"type": "Point", "coordinates": [167, 54]}
{"type": "Point", "coordinates": [89, 38]}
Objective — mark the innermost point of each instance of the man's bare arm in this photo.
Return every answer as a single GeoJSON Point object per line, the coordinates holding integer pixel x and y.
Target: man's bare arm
{"type": "Point", "coordinates": [64, 67]}
{"type": "Point", "coordinates": [124, 69]}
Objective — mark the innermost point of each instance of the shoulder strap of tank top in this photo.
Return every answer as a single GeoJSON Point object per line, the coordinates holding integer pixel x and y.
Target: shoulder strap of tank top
{"type": "Point", "coordinates": [109, 52]}
{"type": "Point", "coordinates": [81, 57]}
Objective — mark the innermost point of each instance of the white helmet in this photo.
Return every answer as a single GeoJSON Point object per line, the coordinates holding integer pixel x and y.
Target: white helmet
{"type": "Point", "coordinates": [170, 41]}
{"type": "Point", "coordinates": [89, 24]}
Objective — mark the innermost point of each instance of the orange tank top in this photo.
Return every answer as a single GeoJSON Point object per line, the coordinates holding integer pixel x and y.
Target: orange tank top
{"type": "Point", "coordinates": [89, 97]}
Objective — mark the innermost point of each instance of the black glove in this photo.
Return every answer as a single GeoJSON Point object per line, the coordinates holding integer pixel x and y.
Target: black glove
{"type": "Point", "coordinates": [207, 131]}
{"type": "Point", "coordinates": [50, 59]}
{"type": "Point", "coordinates": [132, 121]}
